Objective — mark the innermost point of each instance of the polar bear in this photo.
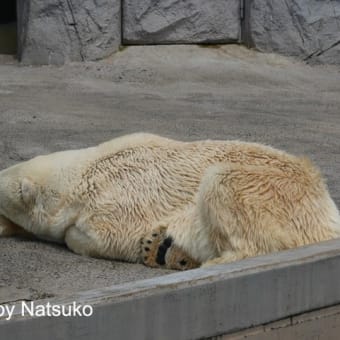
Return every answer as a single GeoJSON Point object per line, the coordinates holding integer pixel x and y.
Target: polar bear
{"type": "Point", "coordinates": [166, 203]}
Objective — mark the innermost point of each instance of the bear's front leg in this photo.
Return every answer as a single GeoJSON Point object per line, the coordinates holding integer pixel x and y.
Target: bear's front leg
{"type": "Point", "coordinates": [159, 251]}
{"type": "Point", "coordinates": [8, 228]}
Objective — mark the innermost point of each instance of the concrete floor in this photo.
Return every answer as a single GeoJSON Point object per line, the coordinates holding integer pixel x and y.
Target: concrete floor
{"type": "Point", "coordinates": [185, 92]}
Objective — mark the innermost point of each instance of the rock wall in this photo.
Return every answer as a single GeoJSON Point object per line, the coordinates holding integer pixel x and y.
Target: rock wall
{"type": "Point", "coordinates": [181, 21]}
{"type": "Point", "coordinates": [59, 31]}
{"type": "Point", "coordinates": [307, 29]}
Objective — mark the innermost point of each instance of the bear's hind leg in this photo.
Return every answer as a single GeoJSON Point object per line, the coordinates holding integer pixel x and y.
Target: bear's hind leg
{"type": "Point", "coordinates": [252, 210]}
{"type": "Point", "coordinates": [248, 210]}
{"type": "Point", "coordinates": [204, 230]}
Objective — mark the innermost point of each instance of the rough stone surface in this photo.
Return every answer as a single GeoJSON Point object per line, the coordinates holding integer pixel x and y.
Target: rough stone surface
{"type": "Point", "coordinates": [55, 32]}
{"type": "Point", "coordinates": [308, 29]}
{"type": "Point", "coordinates": [180, 21]}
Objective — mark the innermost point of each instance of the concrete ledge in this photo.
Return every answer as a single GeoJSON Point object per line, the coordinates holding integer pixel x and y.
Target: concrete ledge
{"type": "Point", "coordinates": [322, 324]}
{"type": "Point", "coordinates": [199, 303]}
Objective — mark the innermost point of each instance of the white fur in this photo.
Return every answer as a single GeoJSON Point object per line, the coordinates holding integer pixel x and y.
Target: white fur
{"type": "Point", "coordinates": [220, 200]}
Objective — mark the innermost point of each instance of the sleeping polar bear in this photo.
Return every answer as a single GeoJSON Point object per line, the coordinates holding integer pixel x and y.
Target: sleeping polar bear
{"type": "Point", "coordinates": [144, 198]}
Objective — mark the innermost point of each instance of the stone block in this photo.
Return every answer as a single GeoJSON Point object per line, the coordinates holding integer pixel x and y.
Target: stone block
{"type": "Point", "coordinates": [181, 21]}
{"type": "Point", "coordinates": [55, 32]}
{"type": "Point", "coordinates": [307, 29]}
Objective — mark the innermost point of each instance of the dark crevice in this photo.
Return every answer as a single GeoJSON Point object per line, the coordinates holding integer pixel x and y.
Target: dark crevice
{"type": "Point", "coordinates": [8, 27]}
{"type": "Point", "coordinates": [319, 52]}
{"type": "Point", "coordinates": [74, 24]}
{"type": "Point", "coordinates": [7, 11]}
{"type": "Point", "coordinates": [121, 22]}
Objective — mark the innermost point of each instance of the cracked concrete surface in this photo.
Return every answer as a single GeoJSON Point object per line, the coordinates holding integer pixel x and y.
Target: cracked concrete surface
{"type": "Point", "coordinates": [186, 92]}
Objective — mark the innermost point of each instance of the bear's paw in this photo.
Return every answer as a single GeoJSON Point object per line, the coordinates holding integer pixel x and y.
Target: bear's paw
{"type": "Point", "coordinates": [159, 251]}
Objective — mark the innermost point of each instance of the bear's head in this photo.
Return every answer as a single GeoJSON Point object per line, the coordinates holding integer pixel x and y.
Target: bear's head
{"type": "Point", "coordinates": [30, 197]}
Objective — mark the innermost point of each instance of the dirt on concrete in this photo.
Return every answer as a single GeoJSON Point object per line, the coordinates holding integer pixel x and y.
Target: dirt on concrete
{"type": "Point", "coordinates": [184, 92]}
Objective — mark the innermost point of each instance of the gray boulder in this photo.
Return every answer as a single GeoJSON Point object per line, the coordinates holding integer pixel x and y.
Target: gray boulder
{"type": "Point", "coordinates": [307, 29]}
{"type": "Point", "coordinates": [181, 21]}
{"type": "Point", "coordinates": [55, 32]}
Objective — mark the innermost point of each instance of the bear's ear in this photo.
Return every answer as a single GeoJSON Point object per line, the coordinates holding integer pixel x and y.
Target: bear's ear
{"type": "Point", "coordinates": [28, 190]}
